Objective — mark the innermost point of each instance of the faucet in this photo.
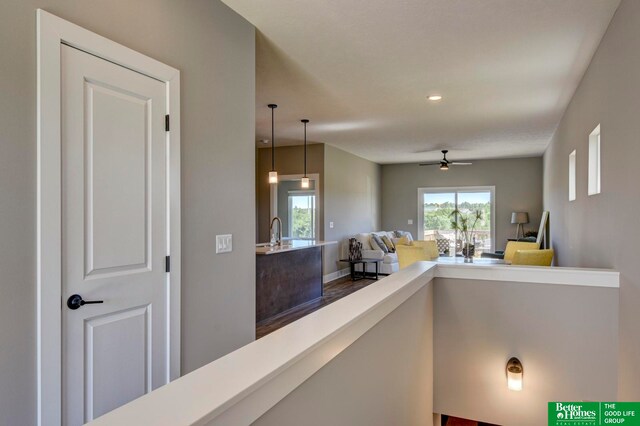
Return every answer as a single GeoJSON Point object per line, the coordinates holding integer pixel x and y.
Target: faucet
{"type": "Point", "coordinates": [279, 238]}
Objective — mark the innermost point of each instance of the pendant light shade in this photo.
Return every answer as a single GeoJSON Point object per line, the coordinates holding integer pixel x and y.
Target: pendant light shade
{"type": "Point", "coordinates": [304, 183]}
{"type": "Point", "coordinates": [273, 175]}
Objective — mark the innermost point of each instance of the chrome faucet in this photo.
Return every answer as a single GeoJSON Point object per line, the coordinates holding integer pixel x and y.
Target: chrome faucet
{"type": "Point", "coordinates": [279, 238]}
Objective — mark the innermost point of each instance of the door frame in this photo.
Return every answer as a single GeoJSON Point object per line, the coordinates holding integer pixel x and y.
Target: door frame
{"type": "Point", "coordinates": [52, 32]}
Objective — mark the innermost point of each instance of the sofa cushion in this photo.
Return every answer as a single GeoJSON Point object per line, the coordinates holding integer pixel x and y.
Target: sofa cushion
{"type": "Point", "coordinates": [365, 239]}
{"type": "Point", "coordinates": [373, 254]}
{"type": "Point", "coordinates": [390, 258]}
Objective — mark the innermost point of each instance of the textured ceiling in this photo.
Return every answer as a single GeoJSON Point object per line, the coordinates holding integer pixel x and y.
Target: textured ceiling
{"type": "Point", "coordinates": [361, 70]}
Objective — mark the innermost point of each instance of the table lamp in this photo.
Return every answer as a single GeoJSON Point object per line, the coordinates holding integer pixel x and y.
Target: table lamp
{"type": "Point", "coordinates": [519, 218]}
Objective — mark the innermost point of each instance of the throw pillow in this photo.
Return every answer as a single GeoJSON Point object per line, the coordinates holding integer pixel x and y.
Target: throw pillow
{"type": "Point", "coordinates": [401, 234]}
{"type": "Point", "coordinates": [404, 240]}
{"type": "Point", "coordinates": [378, 244]}
{"type": "Point", "coordinates": [387, 242]}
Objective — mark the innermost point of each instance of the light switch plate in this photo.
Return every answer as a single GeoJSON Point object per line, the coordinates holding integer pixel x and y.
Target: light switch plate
{"type": "Point", "coordinates": [224, 243]}
{"type": "Point", "coordinates": [330, 224]}
{"type": "Point", "coordinates": [410, 222]}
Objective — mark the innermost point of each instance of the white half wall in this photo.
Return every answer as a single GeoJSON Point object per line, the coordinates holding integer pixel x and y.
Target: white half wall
{"type": "Point", "coordinates": [384, 378]}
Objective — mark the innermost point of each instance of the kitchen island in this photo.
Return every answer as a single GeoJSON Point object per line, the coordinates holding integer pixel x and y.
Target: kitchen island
{"type": "Point", "coordinates": [287, 275]}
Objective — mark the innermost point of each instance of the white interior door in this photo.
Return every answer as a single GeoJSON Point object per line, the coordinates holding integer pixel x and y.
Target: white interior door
{"type": "Point", "coordinates": [114, 235]}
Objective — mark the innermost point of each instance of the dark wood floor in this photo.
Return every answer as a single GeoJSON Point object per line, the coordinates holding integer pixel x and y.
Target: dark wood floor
{"type": "Point", "coordinates": [334, 290]}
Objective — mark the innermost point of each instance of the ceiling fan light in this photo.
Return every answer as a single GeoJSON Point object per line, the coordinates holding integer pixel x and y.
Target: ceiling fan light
{"type": "Point", "coordinates": [444, 166]}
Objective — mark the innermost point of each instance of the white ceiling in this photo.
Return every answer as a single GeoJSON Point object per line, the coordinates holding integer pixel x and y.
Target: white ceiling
{"type": "Point", "coordinates": [361, 70]}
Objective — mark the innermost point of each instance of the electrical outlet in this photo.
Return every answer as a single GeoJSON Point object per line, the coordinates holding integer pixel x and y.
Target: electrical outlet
{"type": "Point", "coordinates": [331, 225]}
{"type": "Point", "coordinates": [224, 243]}
{"type": "Point", "coordinates": [410, 222]}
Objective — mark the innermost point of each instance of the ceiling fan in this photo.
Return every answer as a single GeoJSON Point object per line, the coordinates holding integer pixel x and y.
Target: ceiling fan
{"type": "Point", "coordinates": [444, 163]}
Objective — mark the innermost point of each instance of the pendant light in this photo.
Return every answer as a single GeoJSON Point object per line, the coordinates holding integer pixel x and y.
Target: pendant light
{"type": "Point", "coordinates": [304, 183]}
{"type": "Point", "coordinates": [273, 175]}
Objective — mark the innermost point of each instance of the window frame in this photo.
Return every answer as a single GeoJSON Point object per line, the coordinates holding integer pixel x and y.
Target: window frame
{"type": "Point", "coordinates": [572, 175]}
{"type": "Point", "coordinates": [594, 183]}
{"type": "Point", "coordinates": [457, 189]}
{"type": "Point", "coordinates": [310, 193]}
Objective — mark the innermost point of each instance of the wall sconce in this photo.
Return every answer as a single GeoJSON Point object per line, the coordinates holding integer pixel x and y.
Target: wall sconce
{"type": "Point", "coordinates": [514, 374]}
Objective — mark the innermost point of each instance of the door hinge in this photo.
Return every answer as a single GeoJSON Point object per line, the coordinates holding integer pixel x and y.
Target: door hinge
{"type": "Point", "coordinates": [167, 264]}
{"type": "Point", "coordinates": [166, 122]}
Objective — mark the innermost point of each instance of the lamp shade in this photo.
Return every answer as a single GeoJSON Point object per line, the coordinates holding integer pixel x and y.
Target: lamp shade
{"type": "Point", "coordinates": [514, 374]}
{"type": "Point", "coordinates": [519, 217]}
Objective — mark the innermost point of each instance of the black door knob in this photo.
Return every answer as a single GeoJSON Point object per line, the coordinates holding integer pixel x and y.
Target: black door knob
{"type": "Point", "coordinates": [75, 301]}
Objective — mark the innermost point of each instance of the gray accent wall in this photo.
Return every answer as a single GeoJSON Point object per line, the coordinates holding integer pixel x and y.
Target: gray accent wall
{"type": "Point", "coordinates": [601, 230]}
{"type": "Point", "coordinates": [352, 201]}
{"type": "Point", "coordinates": [214, 49]}
{"type": "Point", "coordinates": [518, 187]}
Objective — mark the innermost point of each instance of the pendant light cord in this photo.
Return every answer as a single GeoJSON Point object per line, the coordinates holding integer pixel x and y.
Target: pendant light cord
{"type": "Point", "coordinates": [305, 121]}
{"type": "Point", "coordinates": [273, 142]}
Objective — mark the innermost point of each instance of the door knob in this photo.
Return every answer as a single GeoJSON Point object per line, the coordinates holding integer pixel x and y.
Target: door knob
{"type": "Point", "coordinates": [75, 301]}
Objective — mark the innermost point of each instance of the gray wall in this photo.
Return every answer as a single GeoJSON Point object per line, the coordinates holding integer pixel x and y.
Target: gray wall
{"type": "Point", "coordinates": [600, 231]}
{"type": "Point", "coordinates": [369, 383]}
{"type": "Point", "coordinates": [214, 49]}
{"type": "Point", "coordinates": [352, 201]}
{"type": "Point", "coordinates": [518, 185]}
{"type": "Point", "coordinates": [566, 337]}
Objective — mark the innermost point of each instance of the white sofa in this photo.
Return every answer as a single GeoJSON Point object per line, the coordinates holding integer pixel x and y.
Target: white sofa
{"type": "Point", "coordinates": [389, 262]}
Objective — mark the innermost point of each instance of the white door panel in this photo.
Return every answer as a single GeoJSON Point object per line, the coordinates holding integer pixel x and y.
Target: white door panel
{"type": "Point", "coordinates": [114, 235]}
{"type": "Point", "coordinates": [117, 175]}
{"type": "Point", "coordinates": [125, 366]}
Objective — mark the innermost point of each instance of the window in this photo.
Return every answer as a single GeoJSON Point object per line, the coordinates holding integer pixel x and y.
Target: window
{"type": "Point", "coordinates": [302, 215]}
{"type": "Point", "coordinates": [435, 216]}
{"type": "Point", "coordinates": [572, 176]}
{"type": "Point", "coordinates": [594, 161]}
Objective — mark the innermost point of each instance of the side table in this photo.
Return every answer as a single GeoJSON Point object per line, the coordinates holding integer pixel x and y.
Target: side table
{"type": "Point", "coordinates": [353, 263]}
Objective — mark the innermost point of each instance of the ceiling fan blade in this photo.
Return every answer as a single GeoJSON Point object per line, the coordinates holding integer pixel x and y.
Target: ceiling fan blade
{"type": "Point", "coordinates": [429, 164]}
{"type": "Point", "coordinates": [455, 163]}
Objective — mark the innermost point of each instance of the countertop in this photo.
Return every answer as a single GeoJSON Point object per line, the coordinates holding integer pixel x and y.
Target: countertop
{"type": "Point", "coordinates": [290, 245]}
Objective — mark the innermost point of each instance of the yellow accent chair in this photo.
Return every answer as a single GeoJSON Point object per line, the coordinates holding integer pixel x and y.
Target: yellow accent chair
{"type": "Point", "coordinates": [416, 251]}
{"type": "Point", "coordinates": [513, 246]}
{"type": "Point", "coordinates": [533, 257]}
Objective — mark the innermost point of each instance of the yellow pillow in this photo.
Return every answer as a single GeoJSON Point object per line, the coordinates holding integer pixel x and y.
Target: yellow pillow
{"type": "Point", "coordinates": [387, 242]}
{"type": "Point", "coordinates": [404, 240]}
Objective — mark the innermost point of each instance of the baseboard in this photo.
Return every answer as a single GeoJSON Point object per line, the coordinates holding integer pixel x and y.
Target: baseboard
{"type": "Point", "coordinates": [335, 275]}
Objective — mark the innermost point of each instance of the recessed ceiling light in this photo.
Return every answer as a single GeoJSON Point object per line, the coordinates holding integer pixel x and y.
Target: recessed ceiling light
{"type": "Point", "coordinates": [435, 98]}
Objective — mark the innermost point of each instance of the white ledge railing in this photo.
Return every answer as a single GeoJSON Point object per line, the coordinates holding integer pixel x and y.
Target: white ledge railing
{"type": "Point", "coordinates": [241, 386]}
